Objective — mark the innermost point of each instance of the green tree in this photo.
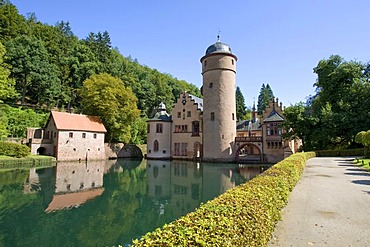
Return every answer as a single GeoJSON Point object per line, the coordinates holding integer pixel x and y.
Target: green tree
{"type": "Point", "coordinates": [107, 97]}
{"type": "Point", "coordinates": [299, 123]}
{"type": "Point", "coordinates": [18, 120]}
{"type": "Point", "coordinates": [7, 85]}
{"type": "Point", "coordinates": [363, 137]}
{"type": "Point", "coordinates": [266, 94]}
{"type": "Point", "coordinates": [35, 77]}
{"type": "Point", "coordinates": [12, 24]}
{"type": "Point", "coordinates": [341, 103]}
{"type": "Point", "coordinates": [240, 104]}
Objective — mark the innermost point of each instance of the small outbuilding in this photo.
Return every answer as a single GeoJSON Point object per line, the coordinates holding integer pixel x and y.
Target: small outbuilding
{"type": "Point", "coordinates": [69, 137]}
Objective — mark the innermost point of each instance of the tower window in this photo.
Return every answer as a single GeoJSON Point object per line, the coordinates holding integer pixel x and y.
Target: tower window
{"type": "Point", "coordinates": [95, 135]}
{"type": "Point", "coordinates": [179, 115]}
{"type": "Point", "coordinates": [70, 134]}
{"type": "Point", "coordinates": [233, 116]}
{"type": "Point", "coordinates": [83, 135]}
{"type": "Point", "coordinates": [232, 61]}
{"type": "Point", "coordinates": [205, 64]}
{"type": "Point", "coordinates": [212, 116]}
{"type": "Point", "coordinates": [211, 85]}
{"type": "Point", "coordinates": [159, 128]}
{"type": "Point", "coordinates": [156, 146]}
{"type": "Point", "coordinates": [189, 114]}
{"type": "Point", "coordinates": [148, 128]}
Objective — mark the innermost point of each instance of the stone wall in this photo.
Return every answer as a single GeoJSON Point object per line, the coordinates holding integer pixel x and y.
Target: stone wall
{"type": "Point", "coordinates": [120, 150]}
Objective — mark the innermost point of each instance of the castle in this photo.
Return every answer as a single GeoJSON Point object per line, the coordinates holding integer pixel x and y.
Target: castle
{"type": "Point", "coordinates": [207, 129]}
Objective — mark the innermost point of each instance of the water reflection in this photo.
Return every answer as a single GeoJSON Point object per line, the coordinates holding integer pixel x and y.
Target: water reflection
{"type": "Point", "coordinates": [181, 186]}
{"type": "Point", "coordinates": [70, 204]}
{"type": "Point", "coordinates": [76, 183]}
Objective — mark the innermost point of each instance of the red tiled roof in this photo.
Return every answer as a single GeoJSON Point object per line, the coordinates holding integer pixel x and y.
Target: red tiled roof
{"type": "Point", "coordinates": [71, 200]}
{"type": "Point", "coordinates": [70, 121]}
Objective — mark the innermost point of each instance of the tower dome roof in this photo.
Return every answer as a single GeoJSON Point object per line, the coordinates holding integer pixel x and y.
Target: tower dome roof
{"type": "Point", "coordinates": [218, 47]}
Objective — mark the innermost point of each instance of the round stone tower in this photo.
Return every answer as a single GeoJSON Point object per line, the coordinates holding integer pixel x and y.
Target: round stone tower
{"type": "Point", "coordinates": [219, 110]}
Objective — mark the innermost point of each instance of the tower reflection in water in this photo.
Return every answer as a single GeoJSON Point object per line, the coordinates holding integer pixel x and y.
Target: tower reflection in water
{"type": "Point", "coordinates": [181, 186]}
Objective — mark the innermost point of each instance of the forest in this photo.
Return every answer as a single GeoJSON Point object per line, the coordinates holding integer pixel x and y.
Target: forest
{"type": "Point", "coordinates": [45, 67]}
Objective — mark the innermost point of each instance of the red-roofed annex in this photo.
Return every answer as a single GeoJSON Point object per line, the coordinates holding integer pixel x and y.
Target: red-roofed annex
{"type": "Point", "coordinates": [69, 136]}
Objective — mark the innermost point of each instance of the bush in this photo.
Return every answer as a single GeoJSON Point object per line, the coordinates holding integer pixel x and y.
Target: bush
{"type": "Point", "coordinates": [243, 216]}
{"type": "Point", "coordinates": [14, 149]}
{"type": "Point", "coordinates": [336, 153]}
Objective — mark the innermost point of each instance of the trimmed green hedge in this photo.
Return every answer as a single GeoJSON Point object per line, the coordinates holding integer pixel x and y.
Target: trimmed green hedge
{"type": "Point", "coordinates": [14, 149]}
{"type": "Point", "coordinates": [339, 153]}
{"type": "Point", "coordinates": [243, 216]}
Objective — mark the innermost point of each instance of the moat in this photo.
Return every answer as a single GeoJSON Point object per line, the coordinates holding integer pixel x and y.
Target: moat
{"type": "Point", "coordinates": [106, 203]}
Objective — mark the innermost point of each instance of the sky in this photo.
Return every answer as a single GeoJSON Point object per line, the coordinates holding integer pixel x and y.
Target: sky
{"type": "Point", "coordinates": [276, 42]}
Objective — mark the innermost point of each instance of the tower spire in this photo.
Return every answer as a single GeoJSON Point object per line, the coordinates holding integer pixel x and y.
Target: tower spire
{"type": "Point", "coordinates": [218, 35]}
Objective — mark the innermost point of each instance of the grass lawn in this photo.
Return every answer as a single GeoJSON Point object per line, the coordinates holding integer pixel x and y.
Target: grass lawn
{"type": "Point", "coordinates": [364, 163]}
{"type": "Point", "coordinates": [7, 162]}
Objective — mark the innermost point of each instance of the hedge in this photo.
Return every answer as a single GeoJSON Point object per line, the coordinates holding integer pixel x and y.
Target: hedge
{"type": "Point", "coordinates": [339, 153]}
{"type": "Point", "coordinates": [243, 216]}
{"type": "Point", "coordinates": [14, 149]}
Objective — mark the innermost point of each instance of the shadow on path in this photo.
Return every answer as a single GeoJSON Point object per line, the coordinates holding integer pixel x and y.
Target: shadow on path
{"type": "Point", "coordinates": [362, 182]}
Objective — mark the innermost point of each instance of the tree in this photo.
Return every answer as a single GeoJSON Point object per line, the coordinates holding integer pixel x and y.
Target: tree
{"type": "Point", "coordinates": [240, 104]}
{"type": "Point", "coordinates": [341, 103]}
{"type": "Point", "coordinates": [265, 96]}
{"type": "Point", "coordinates": [12, 24]}
{"type": "Point", "coordinates": [7, 85]}
{"type": "Point", "coordinates": [35, 77]}
{"type": "Point", "coordinates": [363, 137]}
{"type": "Point", "coordinates": [107, 97]}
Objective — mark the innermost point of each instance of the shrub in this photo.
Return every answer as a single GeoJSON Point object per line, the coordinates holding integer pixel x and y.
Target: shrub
{"type": "Point", "coordinates": [243, 216]}
{"type": "Point", "coordinates": [14, 149]}
{"type": "Point", "coordinates": [345, 152]}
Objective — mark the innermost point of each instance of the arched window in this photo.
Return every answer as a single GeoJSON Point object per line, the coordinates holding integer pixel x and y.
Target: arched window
{"type": "Point", "coordinates": [156, 146]}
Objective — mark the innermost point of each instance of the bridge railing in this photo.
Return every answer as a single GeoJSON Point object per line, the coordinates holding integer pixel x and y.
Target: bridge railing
{"type": "Point", "coordinates": [248, 139]}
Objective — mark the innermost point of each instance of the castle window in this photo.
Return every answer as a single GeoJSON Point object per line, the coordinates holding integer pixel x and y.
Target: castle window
{"type": "Point", "coordinates": [211, 85]}
{"type": "Point", "coordinates": [189, 114]}
{"type": "Point", "coordinates": [184, 149]}
{"type": "Point", "coordinates": [179, 115]}
{"type": "Point", "coordinates": [70, 134]}
{"type": "Point", "coordinates": [195, 128]}
{"type": "Point", "coordinates": [212, 116]}
{"type": "Point", "coordinates": [181, 128]}
{"type": "Point", "coordinates": [177, 149]}
{"type": "Point", "coordinates": [95, 135]}
{"type": "Point", "coordinates": [205, 64]}
{"type": "Point", "coordinates": [232, 61]}
{"type": "Point", "coordinates": [148, 128]}
{"type": "Point", "coordinates": [268, 130]}
{"type": "Point", "coordinates": [233, 116]}
{"type": "Point", "coordinates": [155, 146]}
{"type": "Point", "coordinates": [83, 135]}
{"type": "Point", "coordinates": [55, 134]}
{"type": "Point", "coordinates": [159, 128]}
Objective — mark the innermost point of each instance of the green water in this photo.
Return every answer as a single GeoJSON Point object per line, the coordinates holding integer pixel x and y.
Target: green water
{"type": "Point", "coordinates": [106, 203]}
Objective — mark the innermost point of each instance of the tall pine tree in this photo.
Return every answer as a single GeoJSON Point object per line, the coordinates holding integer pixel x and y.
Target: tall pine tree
{"type": "Point", "coordinates": [240, 104]}
{"type": "Point", "coordinates": [266, 94]}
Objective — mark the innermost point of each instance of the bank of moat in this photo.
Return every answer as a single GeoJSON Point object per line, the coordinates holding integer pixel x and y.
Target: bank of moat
{"type": "Point", "coordinates": [207, 129]}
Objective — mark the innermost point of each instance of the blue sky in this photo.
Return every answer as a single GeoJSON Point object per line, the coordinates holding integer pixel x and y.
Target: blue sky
{"type": "Point", "coordinates": [276, 42]}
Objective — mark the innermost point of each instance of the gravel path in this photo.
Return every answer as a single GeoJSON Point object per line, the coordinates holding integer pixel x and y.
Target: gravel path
{"type": "Point", "coordinates": [330, 206]}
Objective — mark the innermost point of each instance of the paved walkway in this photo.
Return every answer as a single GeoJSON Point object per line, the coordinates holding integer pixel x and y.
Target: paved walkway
{"type": "Point", "coordinates": [330, 206]}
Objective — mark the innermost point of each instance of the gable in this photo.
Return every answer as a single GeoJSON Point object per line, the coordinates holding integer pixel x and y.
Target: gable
{"type": "Point", "coordinates": [79, 122]}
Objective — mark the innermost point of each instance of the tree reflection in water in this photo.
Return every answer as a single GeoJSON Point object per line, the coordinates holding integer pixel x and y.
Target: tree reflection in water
{"type": "Point", "coordinates": [106, 203]}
